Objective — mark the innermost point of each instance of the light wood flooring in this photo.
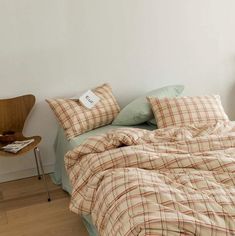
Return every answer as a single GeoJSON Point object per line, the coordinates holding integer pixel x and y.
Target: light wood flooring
{"type": "Point", "coordinates": [24, 210]}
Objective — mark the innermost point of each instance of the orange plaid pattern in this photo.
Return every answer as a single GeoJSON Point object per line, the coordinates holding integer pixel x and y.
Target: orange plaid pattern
{"type": "Point", "coordinates": [172, 181]}
{"type": "Point", "coordinates": [187, 110]}
{"type": "Point", "coordinates": [77, 119]}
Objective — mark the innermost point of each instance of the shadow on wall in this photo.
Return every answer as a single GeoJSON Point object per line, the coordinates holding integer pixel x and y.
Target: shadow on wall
{"type": "Point", "coordinates": [231, 101]}
{"type": "Point", "coordinates": [231, 93]}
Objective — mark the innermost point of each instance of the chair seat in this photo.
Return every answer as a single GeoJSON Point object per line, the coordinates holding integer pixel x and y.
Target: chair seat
{"type": "Point", "coordinates": [20, 137]}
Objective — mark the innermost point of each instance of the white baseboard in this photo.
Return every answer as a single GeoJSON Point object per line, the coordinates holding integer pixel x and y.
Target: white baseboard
{"type": "Point", "coordinates": [23, 173]}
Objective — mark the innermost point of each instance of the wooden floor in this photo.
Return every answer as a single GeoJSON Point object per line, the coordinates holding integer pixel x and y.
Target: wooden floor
{"type": "Point", "coordinates": [24, 210]}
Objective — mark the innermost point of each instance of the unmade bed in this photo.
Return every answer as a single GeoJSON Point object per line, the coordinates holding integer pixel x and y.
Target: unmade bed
{"type": "Point", "coordinates": [175, 180]}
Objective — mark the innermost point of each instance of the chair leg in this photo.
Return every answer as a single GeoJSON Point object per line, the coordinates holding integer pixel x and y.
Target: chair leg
{"type": "Point", "coordinates": [38, 155]}
{"type": "Point", "coordinates": [36, 160]}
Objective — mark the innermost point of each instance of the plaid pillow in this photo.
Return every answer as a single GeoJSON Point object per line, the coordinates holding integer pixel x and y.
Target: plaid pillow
{"type": "Point", "coordinates": [77, 119]}
{"type": "Point", "coordinates": [187, 110]}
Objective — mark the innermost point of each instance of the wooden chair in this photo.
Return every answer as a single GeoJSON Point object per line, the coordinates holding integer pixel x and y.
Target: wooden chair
{"type": "Point", "coordinates": [13, 113]}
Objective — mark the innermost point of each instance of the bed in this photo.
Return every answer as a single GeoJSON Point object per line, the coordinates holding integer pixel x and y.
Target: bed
{"type": "Point", "coordinates": [127, 181]}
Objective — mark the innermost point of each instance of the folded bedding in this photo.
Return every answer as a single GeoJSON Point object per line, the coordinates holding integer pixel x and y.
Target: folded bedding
{"type": "Point", "coordinates": [170, 181]}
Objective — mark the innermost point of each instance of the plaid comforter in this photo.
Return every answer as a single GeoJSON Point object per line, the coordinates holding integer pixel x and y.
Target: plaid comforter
{"type": "Point", "coordinates": [172, 181]}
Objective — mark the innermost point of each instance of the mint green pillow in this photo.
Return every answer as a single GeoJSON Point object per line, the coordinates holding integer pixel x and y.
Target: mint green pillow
{"type": "Point", "coordinates": [139, 110]}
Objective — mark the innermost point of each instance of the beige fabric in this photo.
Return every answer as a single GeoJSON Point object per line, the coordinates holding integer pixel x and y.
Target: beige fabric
{"type": "Point", "coordinates": [172, 181]}
{"type": "Point", "coordinates": [77, 119]}
{"type": "Point", "coordinates": [187, 110]}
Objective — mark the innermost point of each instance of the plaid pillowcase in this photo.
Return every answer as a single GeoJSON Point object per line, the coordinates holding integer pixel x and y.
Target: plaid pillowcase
{"type": "Point", "coordinates": [77, 119]}
{"type": "Point", "coordinates": [187, 110]}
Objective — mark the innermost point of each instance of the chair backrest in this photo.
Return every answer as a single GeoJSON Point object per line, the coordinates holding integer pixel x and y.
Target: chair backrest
{"type": "Point", "coordinates": [14, 112]}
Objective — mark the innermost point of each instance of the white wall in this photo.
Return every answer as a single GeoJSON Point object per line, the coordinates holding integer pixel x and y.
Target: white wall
{"type": "Point", "coordinates": [54, 48]}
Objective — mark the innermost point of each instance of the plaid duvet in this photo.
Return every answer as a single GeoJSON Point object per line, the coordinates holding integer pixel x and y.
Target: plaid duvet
{"type": "Point", "coordinates": [172, 181]}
